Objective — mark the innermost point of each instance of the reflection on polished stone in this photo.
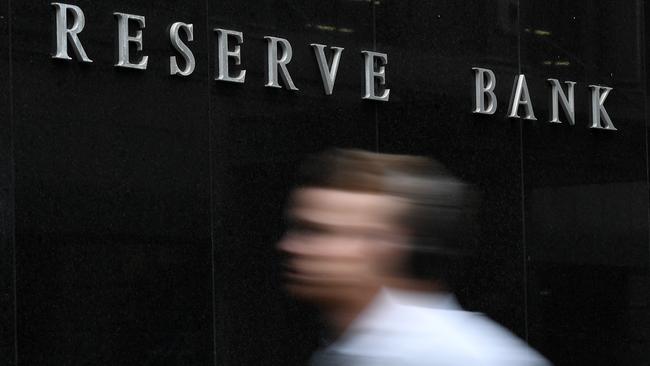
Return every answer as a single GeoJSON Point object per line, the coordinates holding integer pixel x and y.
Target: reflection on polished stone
{"type": "Point", "coordinates": [586, 192]}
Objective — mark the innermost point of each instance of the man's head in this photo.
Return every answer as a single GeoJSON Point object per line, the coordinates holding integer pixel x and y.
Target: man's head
{"type": "Point", "coordinates": [362, 220]}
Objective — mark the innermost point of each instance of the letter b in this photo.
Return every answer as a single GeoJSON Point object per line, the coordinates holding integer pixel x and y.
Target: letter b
{"type": "Point", "coordinates": [483, 91]}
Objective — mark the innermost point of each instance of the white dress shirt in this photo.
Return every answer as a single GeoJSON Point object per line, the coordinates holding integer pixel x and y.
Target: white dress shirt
{"type": "Point", "coordinates": [422, 329]}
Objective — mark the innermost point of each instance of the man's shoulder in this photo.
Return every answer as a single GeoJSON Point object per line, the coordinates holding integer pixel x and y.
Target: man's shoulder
{"type": "Point", "coordinates": [435, 332]}
{"type": "Point", "coordinates": [471, 337]}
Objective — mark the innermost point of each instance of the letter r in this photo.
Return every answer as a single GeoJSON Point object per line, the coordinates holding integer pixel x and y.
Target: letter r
{"type": "Point", "coordinates": [63, 33]}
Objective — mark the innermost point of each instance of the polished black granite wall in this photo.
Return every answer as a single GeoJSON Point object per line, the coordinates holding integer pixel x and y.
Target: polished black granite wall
{"type": "Point", "coordinates": [147, 207]}
{"type": "Point", "coordinates": [7, 310]}
{"type": "Point", "coordinates": [112, 195]}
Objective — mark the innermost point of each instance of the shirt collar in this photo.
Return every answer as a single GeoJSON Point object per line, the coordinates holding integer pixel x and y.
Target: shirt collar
{"type": "Point", "coordinates": [386, 313]}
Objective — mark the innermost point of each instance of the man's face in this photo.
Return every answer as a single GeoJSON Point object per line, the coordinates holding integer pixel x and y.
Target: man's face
{"type": "Point", "coordinates": [341, 242]}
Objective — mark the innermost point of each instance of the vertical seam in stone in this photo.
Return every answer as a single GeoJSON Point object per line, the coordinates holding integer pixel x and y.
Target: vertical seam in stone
{"type": "Point", "coordinates": [374, 47]}
{"type": "Point", "coordinates": [523, 187]}
{"type": "Point", "coordinates": [12, 184]}
{"type": "Point", "coordinates": [211, 186]}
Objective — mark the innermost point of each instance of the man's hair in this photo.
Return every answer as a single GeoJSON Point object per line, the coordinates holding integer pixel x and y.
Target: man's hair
{"type": "Point", "coordinates": [439, 218]}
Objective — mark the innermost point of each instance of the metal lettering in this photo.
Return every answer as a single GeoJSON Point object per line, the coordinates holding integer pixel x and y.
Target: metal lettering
{"type": "Point", "coordinates": [597, 112]}
{"type": "Point", "coordinates": [372, 76]}
{"type": "Point", "coordinates": [63, 33]}
{"type": "Point", "coordinates": [123, 40]}
{"type": "Point", "coordinates": [273, 62]}
{"type": "Point", "coordinates": [224, 54]}
{"type": "Point", "coordinates": [177, 43]}
{"type": "Point", "coordinates": [520, 96]}
{"type": "Point", "coordinates": [557, 97]}
{"type": "Point", "coordinates": [327, 73]}
{"type": "Point", "coordinates": [483, 91]}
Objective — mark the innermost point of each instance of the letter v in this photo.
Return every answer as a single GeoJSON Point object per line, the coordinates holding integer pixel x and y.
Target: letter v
{"type": "Point", "coordinates": [327, 73]}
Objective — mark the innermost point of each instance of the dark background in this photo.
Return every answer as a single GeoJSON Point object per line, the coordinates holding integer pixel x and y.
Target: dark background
{"type": "Point", "coordinates": [139, 211]}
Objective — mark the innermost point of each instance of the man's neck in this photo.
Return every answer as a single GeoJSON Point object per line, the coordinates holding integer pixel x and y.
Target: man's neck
{"type": "Point", "coordinates": [342, 314]}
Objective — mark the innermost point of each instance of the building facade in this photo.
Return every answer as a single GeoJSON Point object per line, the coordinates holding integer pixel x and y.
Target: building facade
{"type": "Point", "coordinates": [141, 207]}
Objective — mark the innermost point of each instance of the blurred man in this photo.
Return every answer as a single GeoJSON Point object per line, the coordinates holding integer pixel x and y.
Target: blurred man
{"type": "Point", "coordinates": [374, 242]}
